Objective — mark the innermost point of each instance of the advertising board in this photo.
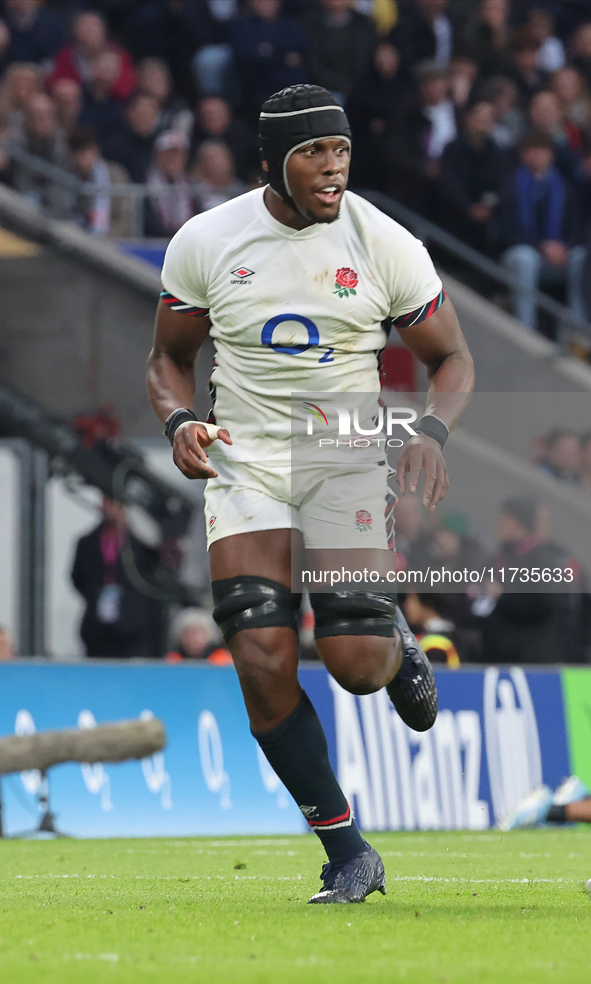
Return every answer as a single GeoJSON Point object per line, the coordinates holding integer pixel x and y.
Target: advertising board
{"type": "Point", "coordinates": [500, 732]}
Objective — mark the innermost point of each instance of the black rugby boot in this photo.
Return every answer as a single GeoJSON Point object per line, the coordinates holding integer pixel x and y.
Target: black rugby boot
{"type": "Point", "coordinates": [413, 691]}
{"type": "Point", "coordinates": [352, 881]}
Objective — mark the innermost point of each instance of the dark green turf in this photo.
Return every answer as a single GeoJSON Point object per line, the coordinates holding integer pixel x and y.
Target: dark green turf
{"type": "Point", "coordinates": [471, 908]}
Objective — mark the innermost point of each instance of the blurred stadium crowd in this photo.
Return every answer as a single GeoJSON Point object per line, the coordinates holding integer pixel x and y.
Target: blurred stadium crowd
{"type": "Point", "coordinates": [475, 113]}
{"type": "Point", "coordinates": [485, 622]}
{"type": "Point", "coordinates": [565, 455]}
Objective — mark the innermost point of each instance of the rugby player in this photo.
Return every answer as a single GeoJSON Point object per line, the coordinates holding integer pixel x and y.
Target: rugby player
{"type": "Point", "coordinates": [570, 803]}
{"type": "Point", "coordinates": [293, 282]}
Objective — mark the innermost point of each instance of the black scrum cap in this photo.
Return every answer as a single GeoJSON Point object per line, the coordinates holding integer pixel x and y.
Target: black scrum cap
{"type": "Point", "coordinates": [291, 118]}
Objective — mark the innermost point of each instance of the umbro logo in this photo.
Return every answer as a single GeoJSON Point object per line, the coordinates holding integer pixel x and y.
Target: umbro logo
{"type": "Point", "coordinates": [309, 811]}
{"type": "Point", "coordinates": [242, 274]}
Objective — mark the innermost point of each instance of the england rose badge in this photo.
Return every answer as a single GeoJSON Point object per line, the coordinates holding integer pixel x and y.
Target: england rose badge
{"type": "Point", "coordinates": [346, 281]}
{"type": "Point", "coordinates": [363, 519]}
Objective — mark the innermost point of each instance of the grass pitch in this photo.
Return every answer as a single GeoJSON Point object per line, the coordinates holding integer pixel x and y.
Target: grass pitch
{"type": "Point", "coordinates": [462, 908]}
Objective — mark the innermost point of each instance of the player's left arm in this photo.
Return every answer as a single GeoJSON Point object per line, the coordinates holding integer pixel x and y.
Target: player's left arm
{"type": "Point", "coordinates": [440, 345]}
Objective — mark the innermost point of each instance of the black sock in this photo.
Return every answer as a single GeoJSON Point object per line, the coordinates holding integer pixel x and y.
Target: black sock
{"type": "Point", "coordinates": [556, 814]}
{"type": "Point", "coordinates": [298, 752]}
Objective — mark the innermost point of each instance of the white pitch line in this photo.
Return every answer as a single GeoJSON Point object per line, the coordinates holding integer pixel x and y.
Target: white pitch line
{"type": "Point", "coordinates": [174, 878]}
{"type": "Point", "coordinates": [391, 878]}
{"type": "Point", "coordinates": [483, 881]}
{"type": "Point", "coordinates": [110, 957]}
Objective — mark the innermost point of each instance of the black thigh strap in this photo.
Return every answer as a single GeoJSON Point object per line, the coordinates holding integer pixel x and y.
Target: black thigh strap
{"type": "Point", "coordinates": [353, 613]}
{"type": "Point", "coordinates": [248, 602]}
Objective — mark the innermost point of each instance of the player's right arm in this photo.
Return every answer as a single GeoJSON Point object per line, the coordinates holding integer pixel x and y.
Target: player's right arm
{"type": "Point", "coordinates": [178, 338]}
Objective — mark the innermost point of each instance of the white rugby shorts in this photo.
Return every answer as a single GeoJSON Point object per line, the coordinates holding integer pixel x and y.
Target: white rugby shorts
{"type": "Point", "coordinates": [339, 508]}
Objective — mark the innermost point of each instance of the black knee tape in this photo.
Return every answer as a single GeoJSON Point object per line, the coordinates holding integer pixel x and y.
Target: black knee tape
{"type": "Point", "coordinates": [248, 602]}
{"type": "Point", "coordinates": [353, 613]}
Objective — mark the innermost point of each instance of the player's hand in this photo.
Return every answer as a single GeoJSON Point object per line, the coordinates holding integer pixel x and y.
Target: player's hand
{"type": "Point", "coordinates": [423, 453]}
{"type": "Point", "coordinates": [188, 451]}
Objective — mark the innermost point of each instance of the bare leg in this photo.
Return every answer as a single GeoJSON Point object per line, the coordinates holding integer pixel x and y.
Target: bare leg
{"type": "Point", "coordinates": [361, 664]}
{"type": "Point", "coordinates": [283, 719]}
{"type": "Point", "coordinates": [266, 659]}
{"type": "Point", "coordinates": [579, 812]}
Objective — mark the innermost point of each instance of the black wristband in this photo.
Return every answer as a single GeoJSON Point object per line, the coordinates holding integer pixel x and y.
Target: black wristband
{"type": "Point", "coordinates": [174, 421]}
{"type": "Point", "coordinates": [556, 814]}
{"type": "Point", "coordinates": [433, 427]}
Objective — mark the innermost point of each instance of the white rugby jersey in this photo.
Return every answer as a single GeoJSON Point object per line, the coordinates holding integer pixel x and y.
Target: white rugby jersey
{"type": "Point", "coordinates": [293, 311]}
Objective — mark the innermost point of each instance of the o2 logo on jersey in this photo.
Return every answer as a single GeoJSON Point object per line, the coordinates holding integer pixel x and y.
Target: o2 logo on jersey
{"type": "Point", "coordinates": [311, 328]}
